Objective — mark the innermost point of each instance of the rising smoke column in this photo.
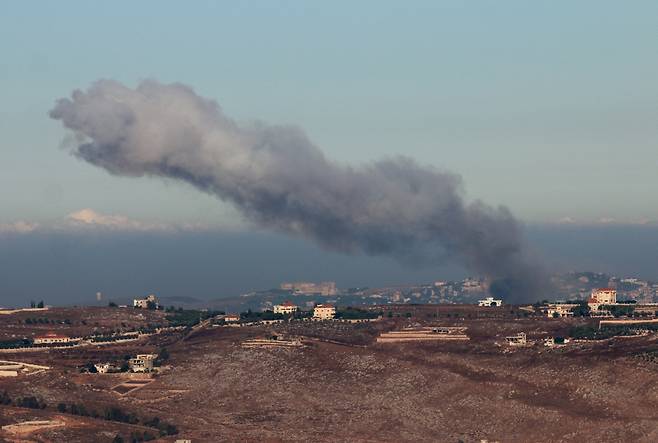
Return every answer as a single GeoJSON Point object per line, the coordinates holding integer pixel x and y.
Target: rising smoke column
{"type": "Point", "coordinates": [278, 179]}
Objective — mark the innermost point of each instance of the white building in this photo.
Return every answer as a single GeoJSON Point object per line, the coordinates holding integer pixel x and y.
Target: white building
{"type": "Point", "coordinates": [51, 339]}
{"type": "Point", "coordinates": [551, 342]}
{"type": "Point", "coordinates": [324, 312]}
{"type": "Point", "coordinates": [105, 368]}
{"type": "Point", "coordinates": [285, 308]}
{"type": "Point", "coordinates": [142, 362]}
{"type": "Point", "coordinates": [143, 303]}
{"type": "Point", "coordinates": [490, 301]}
{"type": "Point", "coordinates": [231, 318]}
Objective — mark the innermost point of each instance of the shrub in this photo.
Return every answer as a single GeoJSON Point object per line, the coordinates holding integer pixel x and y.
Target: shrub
{"type": "Point", "coordinates": [4, 398]}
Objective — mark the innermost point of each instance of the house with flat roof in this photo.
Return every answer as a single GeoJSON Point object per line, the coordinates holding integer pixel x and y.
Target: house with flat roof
{"type": "Point", "coordinates": [142, 362]}
{"type": "Point", "coordinates": [558, 310]}
{"type": "Point", "coordinates": [324, 312]}
{"type": "Point", "coordinates": [286, 308]}
{"type": "Point", "coordinates": [602, 296]}
{"type": "Point", "coordinates": [490, 301]}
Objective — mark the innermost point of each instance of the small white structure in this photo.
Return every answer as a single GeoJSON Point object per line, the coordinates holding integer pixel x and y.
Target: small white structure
{"type": "Point", "coordinates": [105, 368]}
{"type": "Point", "coordinates": [490, 301]}
{"type": "Point", "coordinates": [142, 362]}
{"type": "Point", "coordinates": [231, 318]}
{"type": "Point", "coordinates": [285, 308]}
{"type": "Point", "coordinates": [324, 312]}
{"type": "Point", "coordinates": [144, 303]}
{"type": "Point", "coordinates": [551, 342]}
{"type": "Point", "coordinates": [51, 339]}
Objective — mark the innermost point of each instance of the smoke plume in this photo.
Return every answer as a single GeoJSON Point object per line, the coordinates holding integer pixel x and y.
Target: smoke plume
{"type": "Point", "coordinates": [280, 180]}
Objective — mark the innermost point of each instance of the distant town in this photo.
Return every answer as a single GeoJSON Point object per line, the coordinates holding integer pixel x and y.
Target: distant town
{"type": "Point", "coordinates": [572, 286]}
{"type": "Point", "coordinates": [138, 369]}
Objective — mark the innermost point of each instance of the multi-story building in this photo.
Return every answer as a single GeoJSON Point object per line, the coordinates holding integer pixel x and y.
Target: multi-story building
{"type": "Point", "coordinates": [324, 312]}
{"type": "Point", "coordinates": [324, 288]}
{"type": "Point", "coordinates": [142, 362]}
{"type": "Point", "coordinates": [602, 296]}
{"type": "Point", "coordinates": [285, 308]}
{"type": "Point", "coordinates": [145, 303]}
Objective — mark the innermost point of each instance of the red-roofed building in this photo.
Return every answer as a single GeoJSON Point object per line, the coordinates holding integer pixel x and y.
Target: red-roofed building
{"type": "Point", "coordinates": [52, 338]}
{"type": "Point", "coordinates": [287, 307]}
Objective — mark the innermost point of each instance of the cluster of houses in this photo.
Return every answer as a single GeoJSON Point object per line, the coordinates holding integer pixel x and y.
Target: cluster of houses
{"type": "Point", "coordinates": [598, 299]}
{"type": "Point", "coordinates": [143, 363]}
{"type": "Point", "coordinates": [320, 312]}
{"type": "Point", "coordinates": [521, 340]}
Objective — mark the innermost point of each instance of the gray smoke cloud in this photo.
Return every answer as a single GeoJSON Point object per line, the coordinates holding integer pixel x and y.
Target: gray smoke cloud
{"type": "Point", "coordinates": [280, 180]}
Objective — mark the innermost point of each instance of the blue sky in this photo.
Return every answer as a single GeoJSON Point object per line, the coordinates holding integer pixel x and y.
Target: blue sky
{"type": "Point", "coordinates": [547, 107]}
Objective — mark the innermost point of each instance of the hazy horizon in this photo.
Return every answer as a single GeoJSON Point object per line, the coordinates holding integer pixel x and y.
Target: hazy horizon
{"type": "Point", "coordinates": [69, 268]}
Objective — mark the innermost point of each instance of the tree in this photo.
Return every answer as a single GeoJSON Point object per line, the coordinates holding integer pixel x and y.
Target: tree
{"type": "Point", "coordinates": [61, 407]}
{"type": "Point", "coordinates": [163, 355]}
{"type": "Point", "coordinates": [4, 398]}
{"type": "Point", "coordinates": [40, 305]}
{"type": "Point", "coordinates": [33, 304]}
{"type": "Point", "coordinates": [582, 310]}
{"type": "Point", "coordinates": [117, 439]}
{"type": "Point", "coordinates": [112, 304]}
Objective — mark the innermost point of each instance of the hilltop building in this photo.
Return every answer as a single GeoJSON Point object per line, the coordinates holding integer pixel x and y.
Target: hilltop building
{"type": "Point", "coordinates": [231, 318]}
{"type": "Point", "coordinates": [150, 302]}
{"type": "Point", "coordinates": [52, 339]}
{"type": "Point", "coordinates": [490, 301]}
{"type": "Point", "coordinates": [285, 308]}
{"type": "Point", "coordinates": [324, 312]}
{"type": "Point", "coordinates": [602, 296]}
{"type": "Point", "coordinates": [324, 288]}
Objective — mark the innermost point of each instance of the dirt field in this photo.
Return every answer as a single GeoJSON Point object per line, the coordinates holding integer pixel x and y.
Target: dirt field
{"type": "Point", "coordinates": [342, 386]}
{"type": "Point", "coordinates": [75, 322]}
